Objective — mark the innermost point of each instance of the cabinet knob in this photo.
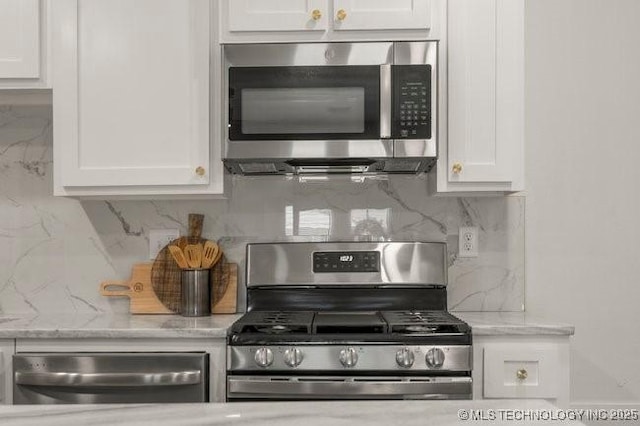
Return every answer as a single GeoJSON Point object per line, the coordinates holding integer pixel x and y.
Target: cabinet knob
{"type": "Point", "coordinates": [200, 171]}
{"type": "Point", "coordinates": [522, 374]}
{"type": "Point", "coordinates": [456, 168]}
{"type": "Point", "coordinates": [316, 14]}
{"type": "Point", "coordinates": [341, 15]}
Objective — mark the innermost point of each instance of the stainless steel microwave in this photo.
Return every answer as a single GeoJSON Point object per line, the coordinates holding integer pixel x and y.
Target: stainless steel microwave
{"type": "Point", "coordinates": [331, 107]}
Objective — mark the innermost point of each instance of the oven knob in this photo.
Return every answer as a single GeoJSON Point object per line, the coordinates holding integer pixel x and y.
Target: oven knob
{"type": "Point", "coordinates": [293, 357]}
{"type": "Point", "coordinates": [264, 357]}
{"type": "Point", "coordinates": [348, 357]}
{"type": "Point", "coordinates": [405, 358]}
{"type": "Point", "coordinates": [435, 358]}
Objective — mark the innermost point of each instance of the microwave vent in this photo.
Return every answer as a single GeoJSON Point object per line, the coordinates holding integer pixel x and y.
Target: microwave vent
{"type": "Point", "coordinates": [402, 166]}
{"type": "Point", "coordinates": [258, 168]}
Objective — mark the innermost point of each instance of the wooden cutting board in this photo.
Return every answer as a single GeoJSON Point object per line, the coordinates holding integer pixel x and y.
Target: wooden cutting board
{"type": "Point", "coordinates": [142, 298]}
{"type": "Point", "coordinates": [166, 280]}
{"type": "Point", "coordinates": [224, 288]}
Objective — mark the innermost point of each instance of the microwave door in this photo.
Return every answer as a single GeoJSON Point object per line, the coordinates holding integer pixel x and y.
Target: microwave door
{"type": "Point", "coordinates": [309, 103]}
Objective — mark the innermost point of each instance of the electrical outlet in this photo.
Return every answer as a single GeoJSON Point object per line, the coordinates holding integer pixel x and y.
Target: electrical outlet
{"type": "Point", "coordinates": [468, 241]}
{"type": "Point", "coordinates": [158, 238]}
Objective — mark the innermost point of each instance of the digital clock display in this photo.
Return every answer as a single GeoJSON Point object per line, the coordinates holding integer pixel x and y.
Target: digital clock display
{"type": "Point", "coordinates": [352, 261]}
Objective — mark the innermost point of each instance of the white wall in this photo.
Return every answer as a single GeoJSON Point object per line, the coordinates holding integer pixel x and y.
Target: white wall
{"type": "Point", "coordinates": [583, 186]}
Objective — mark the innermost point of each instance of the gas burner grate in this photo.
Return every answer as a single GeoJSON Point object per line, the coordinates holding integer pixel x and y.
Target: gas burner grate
{"type": "Point", "coordinates": [275, 322]}
{"type": "Point", "coordinates": [423, 322]}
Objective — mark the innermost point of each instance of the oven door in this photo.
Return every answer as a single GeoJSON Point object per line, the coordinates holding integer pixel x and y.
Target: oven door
{"type": "Point", "coordinates": [360, 387]}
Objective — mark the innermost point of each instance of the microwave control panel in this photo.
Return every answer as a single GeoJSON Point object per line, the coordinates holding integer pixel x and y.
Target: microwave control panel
{"type": "Point", "coordinates": [412, 102]}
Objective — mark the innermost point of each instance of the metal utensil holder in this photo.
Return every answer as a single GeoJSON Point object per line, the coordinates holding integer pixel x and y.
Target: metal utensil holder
{"type": "Point", "coordinates": [196, 295]}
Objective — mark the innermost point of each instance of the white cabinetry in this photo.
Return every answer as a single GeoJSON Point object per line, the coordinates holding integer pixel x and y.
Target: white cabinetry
{"type": "Point", "coordinates": [277, 15]}
{"type": "Point", "coordinates": [522, 367]}
{"type": "Point", "coordinates": [6, 352]}
{"type": "Point", "coordinates": [381, 14]}
{"type": "Point", "coordinates": [131, 104]}
{"type": "Point", "coordinates": [484, 146]}
{"type": "Point", "coordinates": [214, 347]}
{"type": "Point", "coordinates": [326, 20]}
{"type": "Point", "coordinates": [23, 44]}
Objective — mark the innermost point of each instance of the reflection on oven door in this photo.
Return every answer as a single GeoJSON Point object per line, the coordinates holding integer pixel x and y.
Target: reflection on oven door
{"type": "Point", "coordinates": [290, 388]}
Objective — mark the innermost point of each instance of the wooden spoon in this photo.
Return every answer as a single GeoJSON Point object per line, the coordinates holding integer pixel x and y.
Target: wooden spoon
{"type": "Point", "coordinates": [178, 256]}
{"type": "Point", "coordinates": [209, 254]}
{"type": "Point", "coordinates": [193, 253]}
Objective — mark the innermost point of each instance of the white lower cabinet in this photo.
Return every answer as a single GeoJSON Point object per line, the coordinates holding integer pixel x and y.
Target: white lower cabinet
{"type": "Point", "coordinates": [216, 348]}
{"type": "Point", "coordinates": [522, 367]}
{"type": "Point", "coordinates": [6, 352]}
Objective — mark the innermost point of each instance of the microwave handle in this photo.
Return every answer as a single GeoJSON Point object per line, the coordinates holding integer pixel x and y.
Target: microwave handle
{"type": "Point", "coordinates": [385, 101]}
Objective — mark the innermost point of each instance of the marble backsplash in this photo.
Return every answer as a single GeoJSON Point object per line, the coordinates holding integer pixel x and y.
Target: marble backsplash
{"type": "Point", "coordinates": [54, 251]}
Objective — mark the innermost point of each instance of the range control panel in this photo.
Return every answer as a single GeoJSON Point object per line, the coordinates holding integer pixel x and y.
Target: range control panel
{"type": "Point", "coordinates": [412, 102]}
{"type": "Point", "coordinates": [346, 261]}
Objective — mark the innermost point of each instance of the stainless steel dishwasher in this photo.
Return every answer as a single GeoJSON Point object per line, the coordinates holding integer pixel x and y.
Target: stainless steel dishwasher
{"type": "Point", "coordinates": [102, 378]}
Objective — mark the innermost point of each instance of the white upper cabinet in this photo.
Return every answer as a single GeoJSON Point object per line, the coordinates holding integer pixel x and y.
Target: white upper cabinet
{"type": "Point", "coordinates": [278, 15]}
{"type": "Point", "coordinates": [381, 14]}
{"type": "Point", "coordinates": [324, 20]}
{"type": "Point", "coordinates": [131, 104]}
{"type": "Point", "coordinates": [23, 43]}
{"type": "Point", "coordinates": [485, 141]}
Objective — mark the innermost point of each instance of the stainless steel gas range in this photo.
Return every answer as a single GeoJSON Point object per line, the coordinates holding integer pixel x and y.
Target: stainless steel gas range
{"type": "Point", "coordinates": [348, 320]}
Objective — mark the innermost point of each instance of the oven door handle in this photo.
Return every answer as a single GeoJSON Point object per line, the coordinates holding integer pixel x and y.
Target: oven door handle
{"type": "Point", "coordinates": [298, 387]}
{"type": "Point", "coordinates": [72, 379]}
{"type": "Point", "coordinates": [385, 101]}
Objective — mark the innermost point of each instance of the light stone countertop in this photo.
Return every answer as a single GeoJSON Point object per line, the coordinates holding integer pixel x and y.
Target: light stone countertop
{"type": "Point", "coordinates": [512, 323]}
{"type": "Point", "coordinates": [114, 326]}
{"type": "Point", "coordinates": [307, 413]}
{"type": "Point", "coordinates": [176, 326]}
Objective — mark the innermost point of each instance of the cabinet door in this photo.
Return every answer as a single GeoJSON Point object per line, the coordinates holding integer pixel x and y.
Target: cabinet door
{"type": "Point", "coordinates": [521, 371]}
{"type": "Point", "coordinates": [381, 14]}
{"type": "Point", "coordinates": [19, 38]}
{"type": "Point", "coordinates": [277, 15]}
{"type": "Point", "coordinates": [485, 93]}
{"type": "Point", "coordinates": [131, 103]}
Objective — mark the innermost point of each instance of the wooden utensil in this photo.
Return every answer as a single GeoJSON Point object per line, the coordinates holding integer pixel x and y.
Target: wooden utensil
{"type": "Point", "coordinates": [193, 253]}
{"type": "Point", "coordinates": [178, 256]}
{"type": "Point", "coordinates": [142, 299]}
{"type": "Point", "coordinates": [195, 225]}
{"type": "Point", "coordinates": [209, 254]}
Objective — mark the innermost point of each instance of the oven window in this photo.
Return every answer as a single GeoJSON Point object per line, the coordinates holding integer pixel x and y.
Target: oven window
{"type": "Point", "coordinates": [319, 102]}
{"type": "Point", "coordinates": [303, 110]}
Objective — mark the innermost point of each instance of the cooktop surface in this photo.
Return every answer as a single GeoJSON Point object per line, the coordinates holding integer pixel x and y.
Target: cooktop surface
{"type": "Point", "coordinates": [376, 324]}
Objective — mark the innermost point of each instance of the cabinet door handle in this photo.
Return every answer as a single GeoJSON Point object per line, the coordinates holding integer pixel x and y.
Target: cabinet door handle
{"type": "Point", "coordinates": [75, 379]}
{"type": "Point", "coordinates": [316, 14]}
{"type": "Point", "coordinates": [341, 15]}
{"type": "Point", "coordinates": [200, 171]}
{"type": "Point", "coordinates": [456, 168]}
